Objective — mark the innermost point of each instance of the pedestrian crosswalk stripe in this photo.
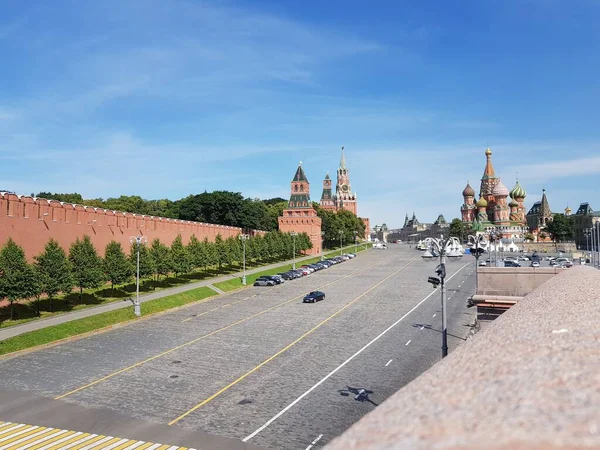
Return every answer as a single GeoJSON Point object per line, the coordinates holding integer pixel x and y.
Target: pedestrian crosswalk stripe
{"type": "Point", "coordinates": [18, 436]}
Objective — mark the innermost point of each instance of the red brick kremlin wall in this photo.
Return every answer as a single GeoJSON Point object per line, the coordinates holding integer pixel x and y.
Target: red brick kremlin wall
{"type": "Point", "coordinates": [31, 222]}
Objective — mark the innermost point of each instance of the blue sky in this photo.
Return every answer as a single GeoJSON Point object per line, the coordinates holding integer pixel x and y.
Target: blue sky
{"type": "Point", "coordinates": [163, 98]}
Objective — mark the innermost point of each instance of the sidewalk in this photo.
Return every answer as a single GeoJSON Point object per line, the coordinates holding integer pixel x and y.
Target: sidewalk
{"type": "Point", "coordinates": [17, 330]}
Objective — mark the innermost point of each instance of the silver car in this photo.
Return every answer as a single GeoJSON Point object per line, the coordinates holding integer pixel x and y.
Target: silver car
{"type": "Point", "coordinates": [264, 282]}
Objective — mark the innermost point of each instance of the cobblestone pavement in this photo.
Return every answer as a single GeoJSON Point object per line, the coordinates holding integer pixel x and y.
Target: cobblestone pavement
{"type": "Point", "coordinates": [257, 357]}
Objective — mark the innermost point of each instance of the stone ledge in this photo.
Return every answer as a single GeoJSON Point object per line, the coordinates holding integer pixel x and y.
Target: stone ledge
{"type": "Point", "coordinates": [531, 379]}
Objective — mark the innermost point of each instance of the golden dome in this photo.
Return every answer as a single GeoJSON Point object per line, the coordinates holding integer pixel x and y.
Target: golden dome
{"type": "Point", "coordinates": [488, 152]}
{"type": "Point", "coordinates": [482, 202]}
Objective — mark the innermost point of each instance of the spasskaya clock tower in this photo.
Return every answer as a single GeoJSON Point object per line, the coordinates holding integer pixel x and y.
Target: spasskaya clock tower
{"type": "Point", "coordinates": [344, 197]}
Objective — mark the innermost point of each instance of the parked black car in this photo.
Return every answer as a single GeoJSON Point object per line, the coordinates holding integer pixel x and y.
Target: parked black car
{"type": "Point", "coordinates": [275, 278]}
{"type": "Point", "coordinates": [314, 296]}
{"type": "Point", "coordinates": [287, 275]}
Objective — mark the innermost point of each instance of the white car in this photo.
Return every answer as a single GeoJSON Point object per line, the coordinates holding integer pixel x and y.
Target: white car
{"type": "Point", "coordinates": [535, 264]}
{"type": "Point", "coordinates": [482, 263]}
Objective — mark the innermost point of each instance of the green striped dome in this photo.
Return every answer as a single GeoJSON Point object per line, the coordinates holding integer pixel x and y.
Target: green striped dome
{"type": "Point", "coordinates": [518, 191]}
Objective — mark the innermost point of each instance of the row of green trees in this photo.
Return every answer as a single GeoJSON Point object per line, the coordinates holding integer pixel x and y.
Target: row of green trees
{"type": "Point", "coordinates": [54, 271]}
{"type": "Point", "coordinates": [218, 207]}
{"type": "Point", "coordinates": [338, 224]}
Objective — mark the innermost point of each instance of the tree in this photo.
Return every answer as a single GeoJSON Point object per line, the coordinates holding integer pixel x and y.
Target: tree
{"type": "Point", "coordinates": [86, 265]}
{"type": "Point", "coordinates": [54, 271]}
{"type": "Point", "coordinates": [161, 258]}
{"type": "Point", "coordinates": [17, 278]}
{"type": "Point", "coordinates": [147, 266]}
{"type": "Point", "coordinates": [117, 267]}
{"type": "Point", "coordinates": [212, 257]}
{"type": "Point", "coordinates": [196, 252]}
{"type": "Point", "coordinates": [234, 245]}
{"type": "Point", "coordinates": [180, 260]}
{"type": "Point", "coordinates": [222, 251]}
{"type": "Point", "coordinates": [561, 228]}
{"type": "Point", "coordinates": [458, 229]}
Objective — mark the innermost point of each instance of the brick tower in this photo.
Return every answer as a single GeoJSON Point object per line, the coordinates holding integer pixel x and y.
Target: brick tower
{"type": "Point", "coordinates": [345, 198]}
{"type": "Point", "coordinates": [300, 215]}
{"type": "Point", "coordinates": [327, 198]}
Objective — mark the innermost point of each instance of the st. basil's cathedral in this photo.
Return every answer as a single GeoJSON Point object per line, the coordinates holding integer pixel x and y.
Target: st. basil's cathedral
{"type": "Point", "coordinates": [492, 211]}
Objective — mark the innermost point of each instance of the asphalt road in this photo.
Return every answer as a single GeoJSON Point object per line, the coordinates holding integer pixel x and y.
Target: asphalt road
{"type": "Point", "coordinates": [259, 364]}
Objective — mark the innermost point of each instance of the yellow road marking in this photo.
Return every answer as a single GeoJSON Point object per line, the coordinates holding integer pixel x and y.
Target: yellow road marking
{"type": "Point", "coordinates": [5, 426]}
{"type": "Point", "coordinates": [96, 438]}
{"type": "Point", "coordinates": [42, 432]}
{"type": "Point", "coordinates": [68, 437]}
{"type": "Point", "coordinates": [212, 333]}
{"type": "Point", "coordinates": [20, 435]}
{"type": "Point", "coordinates": [287, 347]}
{"type": "Point", "coordinates": [8, 431]}
{"type": "Point", "coordinates": [198, 315]}
{"type": "Point", "coordinates": [225, 306]}
{"type": "Point", "coordinates": [125, 444]}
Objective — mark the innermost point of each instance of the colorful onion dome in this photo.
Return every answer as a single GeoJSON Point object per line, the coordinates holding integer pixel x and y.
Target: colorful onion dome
{"type": "Point", "coordinates": [513, 204]}
{"type": "Point", "coordinates": [482, 202]}
{"type": "Point", "coordinates": [518, 191]}
{"type": "Point", "coordinates": [500, 190]}
{"type": "Point", "coordinates": [468, 191]}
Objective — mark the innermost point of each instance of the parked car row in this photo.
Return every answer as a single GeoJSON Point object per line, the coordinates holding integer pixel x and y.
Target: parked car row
{"type": "Point", "coordinates": [306, 269]}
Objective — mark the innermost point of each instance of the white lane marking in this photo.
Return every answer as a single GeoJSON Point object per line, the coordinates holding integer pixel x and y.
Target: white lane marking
{"type": "Point", "coordinates": [388, 363]}
{"type": "Point", "coordinates": [79, 441]}
{"type": "Point", "coordinates": [314, 442]}
{"type": "Point", "coordinates": [330, 374]}
{"type": "Point", "coordinates": [434, 315]}
{"type": "Point", "coordinates": [97, 443]}
{"type": "Point", "coordinates": [29, 436]}
{"type": "Point", "coordinates": [562, 330]}
{"type": "Point", "coordinates": [66, 438]}
{"type": "Point", "coordinates": [45, 438]}
{"type": "Point", "coordinates": [422, 327]}
{"type": "Point", "coordinates": [19, 433]}
{"type": "Point", "coordinates": [408, 342]}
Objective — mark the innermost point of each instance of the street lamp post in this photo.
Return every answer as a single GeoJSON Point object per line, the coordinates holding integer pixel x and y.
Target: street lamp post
{"type": "Point", "coordinates": [478, 239]}
{"type": "Point", "coordinates": [441, 246]}
{"type": "Point", "coordinates": [341, 233]}
{"type": "Point", "coordinates": [322, 243]}
{"type": "Point", "coordinates": [355, 242]}
{"type": "Point", "coordinates": [137, 240]}
{"type": "Point", "coordinates": [244, 238]}
{"type": "Point", "coordinates": [294, 234]}
{"type": "Point", "coordinates": [586, 233]}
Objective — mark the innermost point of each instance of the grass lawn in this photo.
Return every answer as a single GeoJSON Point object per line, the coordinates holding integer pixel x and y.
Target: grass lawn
{"type": "Point", "coordinates": [236, 283]}
{"type": "Point", "coordinates": [76, 327]}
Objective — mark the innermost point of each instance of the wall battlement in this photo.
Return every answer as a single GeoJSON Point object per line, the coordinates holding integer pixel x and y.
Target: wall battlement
{"type": "Point", "coordinates": [32, 221]}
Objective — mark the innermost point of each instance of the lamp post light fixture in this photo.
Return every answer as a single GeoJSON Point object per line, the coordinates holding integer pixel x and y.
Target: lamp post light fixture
{"type": "Point", "coordinates": [341, 233]}
{"type": "Point", "coordinates": [137, 240]}
{"type": "Point", "coordinates": [244, 238]}
{"type": "Point", "coordinates": [478, 239]}
{"type": "Point", "coordinates": [587, 233]}
{"type": "Point", "coordinates": [445, 248]}
{"type": "Point", "coordinates": [294, 234]}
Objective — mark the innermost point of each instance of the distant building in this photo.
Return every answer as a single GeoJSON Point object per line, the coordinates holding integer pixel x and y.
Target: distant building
{"type": "Point", "coordinates": [584, 219]}
{"type": "Point", "coordinates": [538, 217]}
{"type": "Point", "coordinates": [300, 216]}
{"type": "Point", "coordinates": [343, 198]}
{"type": "Point", "coordinates": [493, 212]}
